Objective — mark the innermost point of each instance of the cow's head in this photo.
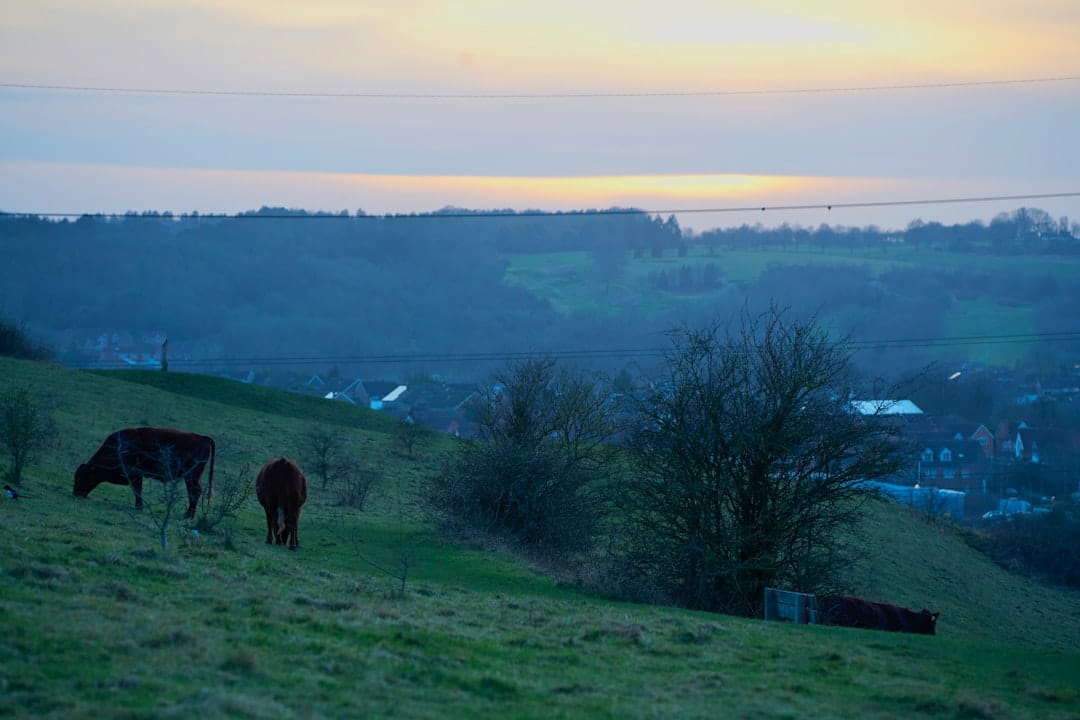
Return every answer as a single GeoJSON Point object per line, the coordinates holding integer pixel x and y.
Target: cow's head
{"type": "Point", "coordinates": [86, 479]}
{"type": "Point", "coordinates": [931, 621]}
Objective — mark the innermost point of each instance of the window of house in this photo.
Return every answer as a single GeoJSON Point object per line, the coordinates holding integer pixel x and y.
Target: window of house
{"type": "Point", "coordinates": [948, 474]}
{"type": "Point", "coordinates": [982, 441]}
{"type": "Point", "coordinates": [928, 455]}
{"type": "Point", "coordinates": [946, 456]}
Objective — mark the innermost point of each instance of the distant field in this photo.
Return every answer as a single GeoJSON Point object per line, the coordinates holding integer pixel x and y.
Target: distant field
{"type": "Point", "coordinates": [749, 263]}
{"type": "Point", "coordinates": [569, 282]}
{"type": "Point", "coordinates": [984, 318]}
{"type": "Point", "coordinates": [98, 621]}
{"type": "Point", "coordinates": [539, 271]}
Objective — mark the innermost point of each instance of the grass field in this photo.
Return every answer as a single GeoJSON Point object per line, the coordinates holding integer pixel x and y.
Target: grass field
{"type": "Point", "coordinates": [98, 621]}
{"type": "Point", "coordinates": [567, 280]}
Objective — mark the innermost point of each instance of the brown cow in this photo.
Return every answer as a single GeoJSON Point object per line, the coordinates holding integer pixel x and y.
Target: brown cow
{"type": "Point", "coordinates": [281, 488]}
{"type": "Point", "coordinates": [129, 455]}
{"type": "Point", "coordinates": [855, 612]}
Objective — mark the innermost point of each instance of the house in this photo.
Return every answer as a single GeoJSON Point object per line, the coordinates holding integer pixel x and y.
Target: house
{"type": "Point", "coordinates": [985, 439]}
{"type": "Point", "coordinates": [1005, 437]}
{"type": "Point", "coordinates": [391, 402]}
{"type": "Point", "coordinates": [355, 393]}
{"type": "Point", "coordinates": [946, 462]}
{"type": "Point", "coordinates": [1041, 445]}
{"type": "Point", "coordinates": [981, 434]}
{"type": "Point", "coordinates": [886, 407]}
{"type": "Point", "coordinates": [438, 405]}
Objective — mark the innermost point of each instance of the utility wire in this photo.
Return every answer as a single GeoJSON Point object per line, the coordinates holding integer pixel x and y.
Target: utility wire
{"type": "Point", "coordinates": [535, 96]}
{"type": "Point", "coordinates": [595, 354]}
{"type": "Point", "coordinates": [548, 213]}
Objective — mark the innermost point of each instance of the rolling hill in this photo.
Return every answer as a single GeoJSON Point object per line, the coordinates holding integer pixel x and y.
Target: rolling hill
{"type": "Point", "coordinates": [375, 616]}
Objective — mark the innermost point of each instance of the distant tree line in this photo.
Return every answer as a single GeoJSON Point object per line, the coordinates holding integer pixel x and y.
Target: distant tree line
{"type": "Point", "coordinates": [317, 284]}
{"type": "Point", "coordinates": [278, 282]}
{"type": "Point", "coordinates": [1025, 231]}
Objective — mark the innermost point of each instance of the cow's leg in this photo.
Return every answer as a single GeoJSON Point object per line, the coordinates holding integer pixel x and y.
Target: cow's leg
{"type": "Point", "coordinates": [270, 525]}
{"type": "Point", "coordinates": [280, 524]}
{"type": "Point", "coordinates": [136, 487]}
{"type": "Point", "coordinates": [291, 529]}
{"type": "Point", "coordinates": [193, 492]}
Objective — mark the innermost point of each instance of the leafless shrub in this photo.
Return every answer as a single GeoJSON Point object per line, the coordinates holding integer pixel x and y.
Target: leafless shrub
{"type": "Point", "coordinates": [26, 428]}
{"type": "Point", "coordinates": [355, 483]}
{"type": "Point", "coordinates": [323, 454]}
{"type": "Point", "coordinates": [231, 493]}
{"type": "Point", "coordinates": [160, 507]}
{"type": "Point", "coordinates": [408, 433]}
{"type": "Point", "coordinates": [538, 473]}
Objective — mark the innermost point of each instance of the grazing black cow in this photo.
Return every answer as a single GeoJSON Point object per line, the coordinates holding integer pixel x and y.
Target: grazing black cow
{"type": "Point", "coordinates": [282, 489]}
{"type": "Point", "coordinates": [129, 455]}
{"type": "Point", "coordinates": [858, 613]}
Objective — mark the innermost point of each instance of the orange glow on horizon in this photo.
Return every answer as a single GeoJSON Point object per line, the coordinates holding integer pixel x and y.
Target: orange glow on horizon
{"type": "Point", "coordinates": [24, 185]}
{"type": "Point", "coordinates": [225, 190]}
{"type": "Point", "coordinates": [234, 190]}
{"type": "Point", "coordinates": [590, 190]}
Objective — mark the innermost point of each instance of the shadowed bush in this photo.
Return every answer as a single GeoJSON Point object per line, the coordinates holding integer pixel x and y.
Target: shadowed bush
{"type": "Point", "coordinates": [537, 474]}
{"type": "Point", "coordinates": [16, 342]}
{"type": "Point", "coordinates": [1043, 546]}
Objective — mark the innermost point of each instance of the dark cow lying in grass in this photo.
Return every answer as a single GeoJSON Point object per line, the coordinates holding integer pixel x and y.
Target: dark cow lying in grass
{"type": "Point", "coordinates": [129, 455]}
{"type": "Point", "coordinates": [858, 613]}
{"type": "Point", "coordinates": [282, 489]}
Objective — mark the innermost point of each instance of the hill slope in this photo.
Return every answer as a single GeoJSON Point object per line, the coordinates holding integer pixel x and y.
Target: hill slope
{"type": "Point", "coordinates": [97, 620]}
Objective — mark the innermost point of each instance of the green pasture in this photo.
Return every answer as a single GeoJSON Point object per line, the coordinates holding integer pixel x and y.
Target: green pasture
{"type": "Point", "coordinates": [981, 318]}
{"type": "Point", "coordinates": [565, 274]}
{"type": "Point", "coordinates": [96, 620]}
{"type": "Point", "coordinates": [746, 265]}
{"type": "Point", "coordinates": [569, 282]}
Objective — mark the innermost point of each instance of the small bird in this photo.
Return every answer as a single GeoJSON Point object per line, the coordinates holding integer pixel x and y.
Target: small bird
{"type": "Point", "coordinates": [12, 493]}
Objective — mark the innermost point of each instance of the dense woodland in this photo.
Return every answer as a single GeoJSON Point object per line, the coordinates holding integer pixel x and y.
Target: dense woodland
{"type": "Point", "coordinates": [285, 283]}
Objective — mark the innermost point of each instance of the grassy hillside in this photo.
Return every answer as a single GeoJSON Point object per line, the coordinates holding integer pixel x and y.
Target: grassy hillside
{"type": "Point", "coordinates": [98, 621]}
{"type": "Point", "coordinates": [570, 283]}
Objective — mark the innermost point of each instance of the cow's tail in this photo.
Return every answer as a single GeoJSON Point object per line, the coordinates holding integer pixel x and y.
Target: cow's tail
{"type": "Point", "coordinates": [210, 482]}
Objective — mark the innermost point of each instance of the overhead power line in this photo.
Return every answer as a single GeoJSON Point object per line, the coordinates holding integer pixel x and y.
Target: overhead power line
{"type": "Point", "coordinates": [586, 95]}
{"type": "Point", "coordinates": [593, 354]}
{"type": "Point", "coordinates": [510, 214]}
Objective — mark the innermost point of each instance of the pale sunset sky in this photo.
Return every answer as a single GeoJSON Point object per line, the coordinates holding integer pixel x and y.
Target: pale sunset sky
{"type": "Point", "coordinates": [541, 105]}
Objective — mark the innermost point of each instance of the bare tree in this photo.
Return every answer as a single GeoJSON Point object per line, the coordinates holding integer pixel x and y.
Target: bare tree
{"type": "Point", "coordinates": [323, 454]}
{"type": "Point", "coordinates": [537, 472]}
{"type": "Point", "coordinates": [326, 455]}
{"type": "Point", "coordinates": [163, 509]}
{"type": "Point", "coordinates": [26, 428]}
{"type": "Point", "coordinates": [233, 491]}
{"type": "Point", "coordinates": [408, 433]}
{"type": "Point", "coordinates": [355, 484]}
{"type": "Point", "coordinates": [748, 458]}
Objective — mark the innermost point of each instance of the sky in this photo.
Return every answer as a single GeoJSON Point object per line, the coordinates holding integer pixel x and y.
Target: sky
{"type": "Point", "coordinates": [417, 105]}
